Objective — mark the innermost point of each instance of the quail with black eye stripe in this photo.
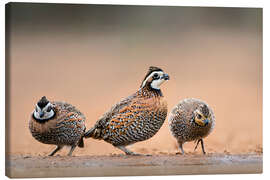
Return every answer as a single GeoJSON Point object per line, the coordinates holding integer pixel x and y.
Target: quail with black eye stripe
{"type": "Point", "coordinates": [135, 118]}
{"type": "Point", "coordinates": [57, 123]}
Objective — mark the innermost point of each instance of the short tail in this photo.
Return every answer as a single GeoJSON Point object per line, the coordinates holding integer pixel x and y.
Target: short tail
{"type": "Point", "coordinates": [93, 133]}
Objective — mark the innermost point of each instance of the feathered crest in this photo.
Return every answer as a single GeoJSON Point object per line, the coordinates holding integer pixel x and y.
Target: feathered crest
{"type": "Point", "coordinates": [42, 102]}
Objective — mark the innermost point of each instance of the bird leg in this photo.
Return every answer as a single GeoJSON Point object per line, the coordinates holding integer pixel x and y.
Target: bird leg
{"type": "Point", "coordinates": [198, 141]}
{"type": "Point", "coordinates": [181, 148]}
{"type": "Point", "coordinates": [128, 152]}
{"type": "Point", "coordinates": [55, 150]}
{"type": "Point", "coordinates": [71, 150]}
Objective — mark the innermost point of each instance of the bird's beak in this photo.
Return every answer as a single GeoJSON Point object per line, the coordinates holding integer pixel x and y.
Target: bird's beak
{"type": "Point", "coordinates": [165, 77]}
{"type": "Point", "coordinates": [206, 121]}
{"type": "Point", "coordinates": [41, 114]}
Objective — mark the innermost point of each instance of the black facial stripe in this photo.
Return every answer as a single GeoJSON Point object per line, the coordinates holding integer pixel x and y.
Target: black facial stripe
{"type": "Point", "coordinates": [49, 109]}
{"type": "Point", "coordinates": [43, 120]}
{"type": "Point", "coordinates": [151, 70]}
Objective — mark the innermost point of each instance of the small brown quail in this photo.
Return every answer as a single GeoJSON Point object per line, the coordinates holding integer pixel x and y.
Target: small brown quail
{"type": "Point", "coordinates": [57, 123]}
{"type": "Point", "coordinates": [135, 118]}
{"type": "Point", "coordinates": [191, 120]}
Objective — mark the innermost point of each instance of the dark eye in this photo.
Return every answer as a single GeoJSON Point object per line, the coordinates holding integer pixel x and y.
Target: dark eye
{"type": "Point", "coordinates": [156, 76]}
{"type": "Point", "coordinates": [36, 109]}
{"type": "Point", "coordinates": [199, 116]}
{"type": "Point", "coordinates": [49, 109]}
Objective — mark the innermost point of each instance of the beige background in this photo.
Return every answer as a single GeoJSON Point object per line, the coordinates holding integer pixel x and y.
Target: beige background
{"type": "Point", "coordinates": [93, 56]}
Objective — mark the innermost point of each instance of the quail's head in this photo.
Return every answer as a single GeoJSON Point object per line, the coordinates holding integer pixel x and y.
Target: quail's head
{"type": "Point", "coordinates": [202, 116]}
{"type": "Point", "coordinates": [154, 78]}
{"type": "Point", "coordinates": [43, 110]}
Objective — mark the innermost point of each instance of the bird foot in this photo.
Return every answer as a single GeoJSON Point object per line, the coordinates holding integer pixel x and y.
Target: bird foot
{"type": "Point", "coordinates": [179, 153]}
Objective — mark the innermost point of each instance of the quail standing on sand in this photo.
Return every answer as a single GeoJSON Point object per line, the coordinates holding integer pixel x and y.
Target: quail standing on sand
{"type": "Point", "coordinates": [191, 120]}
{"type": "Point", "coordinates": [57, 123]}
{"type": "Point", "coordinates": [135, 118]}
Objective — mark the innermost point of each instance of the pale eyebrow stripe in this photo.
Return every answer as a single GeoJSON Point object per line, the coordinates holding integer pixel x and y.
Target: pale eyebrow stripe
{"type": "Point", "coordinates": [150, 75]}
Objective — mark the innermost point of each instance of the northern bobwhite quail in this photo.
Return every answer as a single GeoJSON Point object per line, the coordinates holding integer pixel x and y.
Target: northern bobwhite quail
{"type": "Point", "coordinates": [57, 123]}
{"type": "Point", "coordinates": [191, 120]}
{"type": "Point", "coordinates": [135, 118]}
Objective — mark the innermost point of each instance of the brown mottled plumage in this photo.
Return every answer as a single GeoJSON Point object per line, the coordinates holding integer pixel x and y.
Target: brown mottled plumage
{"type": "Point", "coordinates": [135, 118]}
{"type": "Point", "coordinates": [57, 123]}
{"type": "Point", "coordinates": [191, 120]}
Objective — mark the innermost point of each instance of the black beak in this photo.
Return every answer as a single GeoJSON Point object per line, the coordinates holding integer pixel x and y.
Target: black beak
{"type": "Point", "coordinates": [41, 114]}
{"type": "Point", "coordinates": [165, 77]}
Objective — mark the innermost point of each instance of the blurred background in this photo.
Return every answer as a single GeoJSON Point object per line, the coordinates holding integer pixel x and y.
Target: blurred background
{"type": "Point", "coordinates": [92, 56]}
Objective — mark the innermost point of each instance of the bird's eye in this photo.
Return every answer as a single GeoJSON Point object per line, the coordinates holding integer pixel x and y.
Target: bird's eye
{"type": "Point", "coordinates": [199, 116]}
{"type": "Point", "coordinates": [36, 109]}
{"type": "Point", "coordinates": [49, 109]}
{"type": "Point", "coordinates": [156, 75]}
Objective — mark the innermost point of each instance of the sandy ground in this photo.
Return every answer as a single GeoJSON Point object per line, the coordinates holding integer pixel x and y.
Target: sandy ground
{"type": "Point", "coordinates": [121, 165]}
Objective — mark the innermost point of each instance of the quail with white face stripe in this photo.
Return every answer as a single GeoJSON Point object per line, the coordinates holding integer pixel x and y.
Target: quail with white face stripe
{"type": "Point", "coordinates": [57, 123]}
{"type": "Point", "coordinates": [137, 117]}
{"type": "Point", "coordinates": [44, 113]}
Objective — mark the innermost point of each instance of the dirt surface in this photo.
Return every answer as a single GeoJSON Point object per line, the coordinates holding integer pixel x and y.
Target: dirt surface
{"type": "Point", "coordinates": [121, 165]}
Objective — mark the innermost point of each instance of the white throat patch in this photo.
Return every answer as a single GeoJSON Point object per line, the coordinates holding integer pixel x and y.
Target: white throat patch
{"type": "Point", "coordinates": [156, 83]}
{"type": "Point", "coordinates": [47, 115]}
